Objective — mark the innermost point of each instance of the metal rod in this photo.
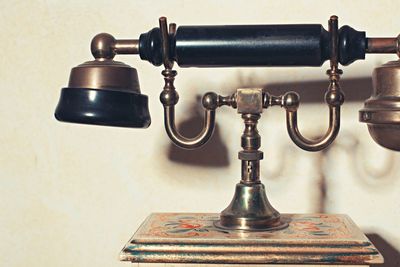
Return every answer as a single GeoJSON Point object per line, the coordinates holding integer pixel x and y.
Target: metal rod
{"type": "Point", "coordinates": [172, 29]}
{"type": "Point", "coordinates": [251, 142]}
{"type": "Point", "coordinates": [382, 45]}
{"type": "Point", "coordinates": [333, 29]}
{"type": "Point", "coordinates": [126, 47]}
{"type": "Point", "coordinates": [168, 64]}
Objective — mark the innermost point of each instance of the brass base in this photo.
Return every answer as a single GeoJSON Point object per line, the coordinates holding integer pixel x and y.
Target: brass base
{"type": "Point", "coordinates": [250, 210]}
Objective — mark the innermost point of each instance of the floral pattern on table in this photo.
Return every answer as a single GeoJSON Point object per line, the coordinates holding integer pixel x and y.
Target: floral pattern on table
{"type": "Point", "coordinates": [181, 225]}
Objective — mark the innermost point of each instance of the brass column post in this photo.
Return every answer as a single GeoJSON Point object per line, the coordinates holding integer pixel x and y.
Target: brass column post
{"type": "Point", "coordinates": [250, 209]}
{"type": "Point", "coordinates": [250, 155]}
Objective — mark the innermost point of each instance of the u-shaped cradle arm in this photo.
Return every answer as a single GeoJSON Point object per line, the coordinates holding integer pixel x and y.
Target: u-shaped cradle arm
{"type": "Point", "coordinates": [313, 145]}
{"type": "Point", "coordinates": [334, 99]}
{"type": "Point", "coordinates": [189, 143]}
{"type": "Point", "coordinates": [169, 98]}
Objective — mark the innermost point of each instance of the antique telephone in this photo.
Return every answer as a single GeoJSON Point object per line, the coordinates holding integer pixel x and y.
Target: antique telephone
{"type": "Point", "coordinates": [107, 92]}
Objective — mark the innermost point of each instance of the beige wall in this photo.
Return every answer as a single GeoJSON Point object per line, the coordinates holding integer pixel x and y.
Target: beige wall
{"type": "Point", "coordinates": [72, 195]}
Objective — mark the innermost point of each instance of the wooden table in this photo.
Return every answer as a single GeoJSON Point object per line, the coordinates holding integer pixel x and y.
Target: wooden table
{"type": "Point", "coordinates": [188, 239]}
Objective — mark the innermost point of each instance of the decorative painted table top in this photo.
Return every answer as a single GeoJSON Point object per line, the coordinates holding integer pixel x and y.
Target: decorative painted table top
{"type": "Point", "coordinates": [193, 238]}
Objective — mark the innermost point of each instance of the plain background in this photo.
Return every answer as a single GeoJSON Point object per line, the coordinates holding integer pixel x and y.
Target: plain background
{"type": "Point", "coordinates": [72, 195]}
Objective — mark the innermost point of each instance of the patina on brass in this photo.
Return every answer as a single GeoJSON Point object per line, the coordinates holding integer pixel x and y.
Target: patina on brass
{"type": "Point", "coordinates": [381, 111]}
{"type": "Point", "coordinates": [104, 72]}
{"type": "Point", "coordinates": [250, 209]}
{"type": "Point", "coordinates": [334, 98]}
{"type": "Point", "coordinates": [104, 45]}
{"type": "Point", "coordinates": [383, 45]}
{"type": "Point", "coordinates": [169, 98]}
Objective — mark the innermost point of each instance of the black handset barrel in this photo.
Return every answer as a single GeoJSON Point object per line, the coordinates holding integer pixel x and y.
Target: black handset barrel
{"type": "Point", "coordinates": [253, 45]}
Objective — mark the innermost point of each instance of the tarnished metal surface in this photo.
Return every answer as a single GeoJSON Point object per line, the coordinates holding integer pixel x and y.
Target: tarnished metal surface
{"type": "Point", "coordinates": [383, 45]}
{"type": "Point", "coordinates": [169, 98]}
{"type": "Point", "coordinates": [382, 110]}
{"type": "Point", "coordinates": [333, 97]}
{"type": "Point", "coordinates": [192, 238]}
{"type": "Point", "coordinates": [105, 74]}
{"type": "Point", "coordinates": [250, 209]}
{"type": "Point", "coordinates": [249, 101]}
{"type": "Point", "coordinates": [105, 46]}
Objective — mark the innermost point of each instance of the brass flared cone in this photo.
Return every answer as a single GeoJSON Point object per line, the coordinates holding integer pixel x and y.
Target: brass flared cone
{"type": "Point", "coordinates": [381, 111]}
{"type": "Point", "coordinates": [250, 210]}
{"type": "Point", "coordinates": [104, 92]}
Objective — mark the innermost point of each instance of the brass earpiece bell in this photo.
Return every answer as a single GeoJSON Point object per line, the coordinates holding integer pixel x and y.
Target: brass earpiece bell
{"type": "Point", "coordinates": [382, 110]}
{"type": "Point", "coordinates": [104, 91]}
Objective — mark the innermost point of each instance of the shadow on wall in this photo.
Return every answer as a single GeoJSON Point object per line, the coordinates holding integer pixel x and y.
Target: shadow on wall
{"type": "Point", "coordinates": [390, 254]}
{"type": "Point", "coordinates": [355, 90]}
{"type": "Point", "coordinates": [215, 152]}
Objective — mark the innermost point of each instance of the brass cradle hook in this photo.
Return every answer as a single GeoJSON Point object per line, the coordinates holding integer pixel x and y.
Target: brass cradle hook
{"type": "Point", "coordinates": [290, 101]}
{"type": "Point", "coordinates": [333, 97]}
{"type": "Point", "coordinates": [169, 98]}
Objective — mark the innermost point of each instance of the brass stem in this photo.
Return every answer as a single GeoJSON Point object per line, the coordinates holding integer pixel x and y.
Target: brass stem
{"type": "Point", "coordinates": [382, 45]}
{"type": "Point", "coordinates": [333, 29]}
{"type": "Point", "coordinates": [126, 47]}
{"type": "Point", "coordinates": [250, 209]}
{"type": "Point", "coordinates": [168, 64]}
{"type": "Point", "coordinates": [251, 142]}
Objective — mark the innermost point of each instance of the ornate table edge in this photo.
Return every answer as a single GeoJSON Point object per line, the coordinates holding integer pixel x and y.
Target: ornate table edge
{"type": "Point", "coordinates": [214, 251]}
